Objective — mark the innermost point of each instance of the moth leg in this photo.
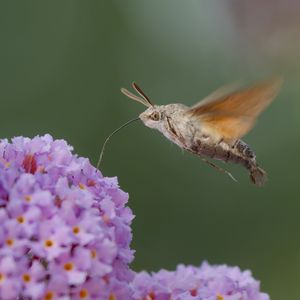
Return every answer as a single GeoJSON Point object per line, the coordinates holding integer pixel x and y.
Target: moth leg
{"type": "Point", "coordinates": [217, 168]}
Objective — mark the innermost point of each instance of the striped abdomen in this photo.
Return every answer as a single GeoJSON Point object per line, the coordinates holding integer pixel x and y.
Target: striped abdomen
{"type": "Point", "coordinates": [239, 153]}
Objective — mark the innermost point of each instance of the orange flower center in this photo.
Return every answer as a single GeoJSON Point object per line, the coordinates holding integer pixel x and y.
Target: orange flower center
{"type": "Point", "coordinates": [68, 266]}
{"type": "Point", "coordinates": [49, 296]}
{"type": "Point", "coordinates": [93, 254]}
{"type": "Point", "coordinates": [9, 242]}
{"type": "Point", "coordinates": [112, 297]}
{"type": "Point", "coordinates": [20, 219]}
{"type": "Point", "coordinates": [1, 277]}
{"type": "Point", "coordinates": [49, 243]}
{"type": "Point", "coordinates": [83, 293]}
{"type": "Point", "coordinates": [81, 186]}
{"type": "Point", "coordinates": [76, 229]}
{"type": "Point", "coordinates": [28, 198]}
{"type": "Point", "coordinates": [26, 277]}
{"type": "Point", "coordinates": [220, 297]}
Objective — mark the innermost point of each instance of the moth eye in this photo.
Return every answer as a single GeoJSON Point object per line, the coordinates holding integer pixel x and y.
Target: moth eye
{"type": "Point", "coordinates": [155, 116]}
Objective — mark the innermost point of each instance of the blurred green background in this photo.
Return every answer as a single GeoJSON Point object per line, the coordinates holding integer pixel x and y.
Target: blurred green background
{"type": "Point", "coordinates": [62, 65]}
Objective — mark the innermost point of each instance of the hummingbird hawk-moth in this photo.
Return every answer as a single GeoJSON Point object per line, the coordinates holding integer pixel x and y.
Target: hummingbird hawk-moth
{"type": "Point", "coordinates": [213, 128]}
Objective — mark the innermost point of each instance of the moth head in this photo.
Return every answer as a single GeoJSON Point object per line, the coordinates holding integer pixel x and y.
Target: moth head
{"type": "Point", "coordinates": [153, 116]}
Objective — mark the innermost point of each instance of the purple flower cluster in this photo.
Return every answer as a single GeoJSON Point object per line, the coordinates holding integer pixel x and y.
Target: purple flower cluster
{"type": "Point", "coordinates": [65, 234]}
{"type": "Point", "coordinates": [65, 230]}
{"type": "Point", "coordinates": [197, 283]}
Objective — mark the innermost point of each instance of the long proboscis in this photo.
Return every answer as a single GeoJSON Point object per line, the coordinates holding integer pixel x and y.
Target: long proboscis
{"type": "Point", "coordinates": [108, 138]}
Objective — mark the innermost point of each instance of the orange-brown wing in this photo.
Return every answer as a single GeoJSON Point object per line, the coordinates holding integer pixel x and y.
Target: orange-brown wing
{"type": "Point", "coordinates": [234, 115]}
{"type": "Point", "coordinates": [220, 93]}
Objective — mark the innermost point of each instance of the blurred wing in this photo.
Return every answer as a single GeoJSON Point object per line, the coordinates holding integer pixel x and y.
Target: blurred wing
{"type": "Point", "coordinates": [219, 93]}
{"type": "Point", "coordinates": [234, 115]}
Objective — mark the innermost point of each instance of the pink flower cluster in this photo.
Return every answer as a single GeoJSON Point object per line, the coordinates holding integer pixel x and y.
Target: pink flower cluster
{"type": "Point", "coordinates": [65, 234]}
{"type": "Point", "coordinates": [65, 230]}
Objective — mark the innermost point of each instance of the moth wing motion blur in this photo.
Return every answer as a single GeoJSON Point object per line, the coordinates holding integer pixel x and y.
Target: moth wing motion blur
{"type": "Point", "coordinates": [219, 93]}
{"type": "Point", "coordinates": [234, 115]}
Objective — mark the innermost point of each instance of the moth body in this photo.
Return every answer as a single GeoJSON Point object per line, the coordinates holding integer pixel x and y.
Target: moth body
{"type": "Point", "coordinates": [174, 122]}
{"type": "Point", "coordinates": [213, 127]}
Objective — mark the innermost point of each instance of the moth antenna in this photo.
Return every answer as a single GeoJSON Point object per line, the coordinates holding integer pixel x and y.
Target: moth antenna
{"type": "Point", "coordinates": [141, 93]}
{"type": "Point", "coordinates": [108, 138]}
{"type": "Point", "coordinates": [218, 168]}
{"type": "Point", "coordinates": [135, 97]}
